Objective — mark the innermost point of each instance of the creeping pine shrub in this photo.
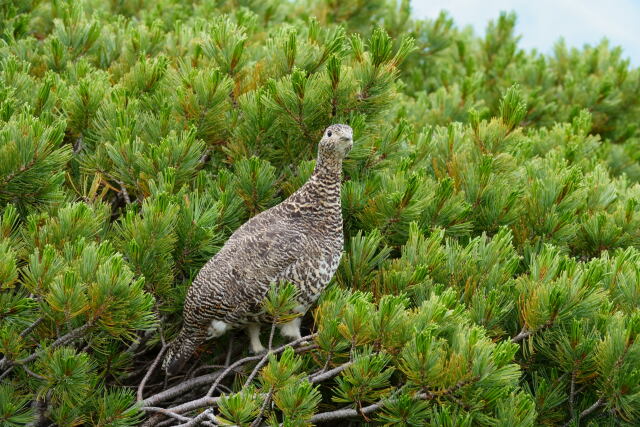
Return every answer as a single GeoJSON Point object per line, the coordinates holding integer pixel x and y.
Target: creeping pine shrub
{"type": "Point", "coordinates": [491, 204]}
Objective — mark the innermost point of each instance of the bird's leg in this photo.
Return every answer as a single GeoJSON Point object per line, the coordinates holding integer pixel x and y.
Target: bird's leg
{"type": "Point", "coordinates": [254, 338]}
{"type": "Point", "coordinates": [292, 329]}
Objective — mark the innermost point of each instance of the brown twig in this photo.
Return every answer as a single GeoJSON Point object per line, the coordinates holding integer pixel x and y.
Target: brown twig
{"type": "Point", "coordinates": [203, 402]}
{"type": "Point", "coordinates": [180, 389]}
{"type": "Point", "coordinates": [591, 409]}
{"type": "Point", "coordinates": [31, 327]}
{"type": "Point", "coordinates": [76, 333]}
{"type": "Point", "coordinates": [136, 344]}
{"type": "Point", "coordinates": [252, 358]}
{"type": "Point", "coordinates": [33, 374]}
{"type": "Point", "coordinates": [323, 376]}
{"type": "Point", "coordinates": [149, 372]}
{"type": "Point", "coordinates": [167, 412]}
{"type": "Point", "coordinates": [205, 156]}
{"type": "Point", "coordinates": [306, 348]}
{"type": "Point", "coordinates": [199, 419]}
{"type": "Point", "coordinates": [259, 365]}
{"type": "Point", "coordinates": [228, 370]}
{"type": "Point", "coordinates": [204, 368]}
{"type": "Point", "coordinates": [263, 408]}
{"type": "Point", "coordinates": [78, 144]}
{"type": "Point", "coordinates": [166, 423]}
{"type": "Point", "coordinates": [124, 192]}
{"type": "Point", "coordinates": [271, 334]}
{"type": "Point", "coordinates": [368, 410]}
{"type": "Point", "coordinates": [326, 365]}
{"type": "Point", "coordinates": [572, 395]}
{"type": "Point", "coordinates": [185, 407]}
{"type": "Point", "coordinates": [345, 413]}
{"type": "Point", "coordinates": [7, 372]}
{"type": "Point", "coordinates": [524, 333]}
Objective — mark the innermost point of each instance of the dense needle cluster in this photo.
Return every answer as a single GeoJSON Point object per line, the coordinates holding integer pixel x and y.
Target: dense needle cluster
{"type": "Point", "coordinates": [490, 211]}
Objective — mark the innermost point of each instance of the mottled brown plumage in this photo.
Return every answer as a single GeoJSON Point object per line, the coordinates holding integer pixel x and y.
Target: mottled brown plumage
{"type": "Point", "coordinates": [300, 240]}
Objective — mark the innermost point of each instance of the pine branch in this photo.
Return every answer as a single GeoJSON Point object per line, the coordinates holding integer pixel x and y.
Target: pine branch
{"type": "Point", "coordinates": [524, 334]}
{"type": "Point", "coordinates": [199, 419]}
{"type": "Point", "coordinates": [217, 377]}
{"type": "Point", "coordinates": [33, 374]}
{"type": "Point", "coordinates": [180, 389]}
{"type": "Point", "coordinates": [368, 410]}
{"type": "Point", "coordinates": [191, 405]}
{"type": "Point", "coordinates": [5, 373]}
{"type": "Point", "coordinates": [572, 395]}
{"type": "Point", "coordinates": [78, 144]}
{"type": "Point", "coordinates": [345, 413]}
{"type": "Point", "coordinates": [306, 348]}
{"type": "Point", "coordinates": [124, 192]}
{"type": "Point", "coordinates": [273, 330]}
{"type": "Point", "coordinates": [76, 333]}
{"type": "Point", "coordinates": [185, 407]}
{"type": "Point", "coordinates": [167, 412]}
{"type": "Point", "coordinates": [24, 168]}
{"type": "Point", "coordinates": [205, 368]}
{"type": "Point", "coordinates": [590, 410]}
{"type": "Point", "coordinates": [165, 423]}
{"type": "Point", "coordinates": [229, 369]}
{"type": "Point", "coordinates": [31, 327]}
{"type": "Point", "coordinates": [263, 408]}
{"type": "Point", "coordinates": [323, 376]}
{"type": "Point", "coordinates": [150, 371]}
{"type": "Point", "coordinates": [258, 357]}
{"type": "Point", "coordinates": [259, 365]}
{"type": "Point", "coordinates": [264, 358]}
{"type": "Point", "coordinates": [326, 364]}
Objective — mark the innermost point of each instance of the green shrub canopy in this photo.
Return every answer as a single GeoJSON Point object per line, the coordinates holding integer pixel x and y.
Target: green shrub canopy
{"type": "Point", "coordinates": [491, 273]}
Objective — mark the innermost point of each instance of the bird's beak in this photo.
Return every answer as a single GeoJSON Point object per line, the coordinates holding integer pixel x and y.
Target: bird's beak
{"type": "Point", "coordinates": [347, 143]}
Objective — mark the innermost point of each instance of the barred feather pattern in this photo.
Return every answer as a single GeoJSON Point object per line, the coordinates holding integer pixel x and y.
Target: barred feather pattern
{"type": "Point", "coordinates": [300, 240]}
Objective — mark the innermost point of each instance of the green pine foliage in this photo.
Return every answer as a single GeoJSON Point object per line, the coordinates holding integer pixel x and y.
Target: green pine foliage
{"type": "Point", "coordinates": [491, 202]}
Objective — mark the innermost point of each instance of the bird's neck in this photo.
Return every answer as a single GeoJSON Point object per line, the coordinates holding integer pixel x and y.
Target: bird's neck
{"type": "Point", "coordinates": [328, 169]}
{"type": "Point", "coordinates": [322, 191]}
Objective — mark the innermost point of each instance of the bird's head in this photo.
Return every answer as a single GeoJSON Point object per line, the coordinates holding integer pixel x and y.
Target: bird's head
{"type": "Point", "coordinates": [337, 141]}
{"type": "Point", "coordinates": [179, 352]}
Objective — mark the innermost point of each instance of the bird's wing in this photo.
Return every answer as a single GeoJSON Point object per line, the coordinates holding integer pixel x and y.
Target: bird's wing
{"type": "Point", "coordinates": [231, 286]}
{"type": "Point", "coordinates": [235, 281]}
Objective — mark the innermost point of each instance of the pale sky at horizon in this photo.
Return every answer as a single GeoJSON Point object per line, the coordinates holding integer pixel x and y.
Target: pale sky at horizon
{"type": "Point", "coordinates": [541, 23]}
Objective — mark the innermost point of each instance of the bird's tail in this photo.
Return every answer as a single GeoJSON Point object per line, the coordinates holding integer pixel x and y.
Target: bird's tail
{"type": "Point", "coordinates": [180, 351]}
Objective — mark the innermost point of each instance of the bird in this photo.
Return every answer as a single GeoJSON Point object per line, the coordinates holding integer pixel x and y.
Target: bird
{"type": "Point", "coordinates": [300, 240]}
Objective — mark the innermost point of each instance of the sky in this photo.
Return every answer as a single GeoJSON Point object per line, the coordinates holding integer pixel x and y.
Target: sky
{"type": "Point", "coordinates": [542, 22]}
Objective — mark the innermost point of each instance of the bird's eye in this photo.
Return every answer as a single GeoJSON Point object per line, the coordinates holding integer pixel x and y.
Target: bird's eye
{"type": "Point", "coordinates": [329, 133]}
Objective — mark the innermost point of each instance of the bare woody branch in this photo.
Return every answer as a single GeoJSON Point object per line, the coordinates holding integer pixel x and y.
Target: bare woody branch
{"type": "Point", "coordinates": [149, 372]}
{"type": "Point", "coordinates": [257, 357]}
{"type": "Point", "coordinates": [167, 412]}
{"type": "Point", "coordinates": [323, 376]}
{"type": "Point", "coordinates": [76, 333]}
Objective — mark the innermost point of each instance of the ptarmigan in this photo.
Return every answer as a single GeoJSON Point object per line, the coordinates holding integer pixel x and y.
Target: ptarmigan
{"type": "Point", "coordinates": [300, 240]}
